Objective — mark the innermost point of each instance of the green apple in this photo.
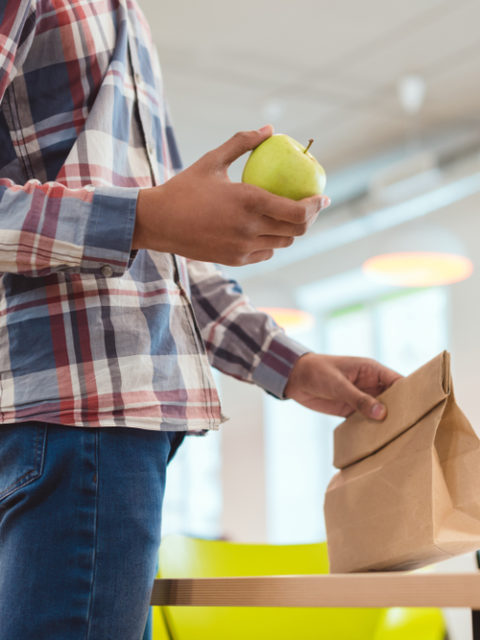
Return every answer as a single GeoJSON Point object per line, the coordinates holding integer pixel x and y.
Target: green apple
{"type": "Point", "coordinates": [283, 166]}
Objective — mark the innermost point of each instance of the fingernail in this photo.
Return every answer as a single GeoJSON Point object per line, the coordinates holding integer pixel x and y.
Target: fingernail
{"type": "Point", "coordinates": [378, 411]}
{"type": "Point", "coordinates": [325, 202]}
{"type": "Point", "coordinates": [264, 129]}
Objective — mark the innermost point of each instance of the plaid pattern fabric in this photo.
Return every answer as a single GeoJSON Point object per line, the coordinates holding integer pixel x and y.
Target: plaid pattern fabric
{"type": "Point", "coordinates": [91, 333]}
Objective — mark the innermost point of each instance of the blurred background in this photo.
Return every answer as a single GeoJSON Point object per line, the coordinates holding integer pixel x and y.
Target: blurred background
{"type": "Point", "coordinates": [390, 92]}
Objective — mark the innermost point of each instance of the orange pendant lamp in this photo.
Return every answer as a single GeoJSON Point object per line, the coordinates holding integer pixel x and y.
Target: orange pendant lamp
{"type": "Point", "coordinates": [425, 256]}
{"type": "Point", "coordinates": [290, 319]}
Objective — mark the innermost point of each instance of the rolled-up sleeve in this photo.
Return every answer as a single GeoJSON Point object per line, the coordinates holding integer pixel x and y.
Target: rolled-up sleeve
{"type": "Point", "coordinates": [48, 227]}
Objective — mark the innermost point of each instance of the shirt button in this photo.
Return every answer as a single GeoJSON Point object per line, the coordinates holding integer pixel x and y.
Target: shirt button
{"type": "Point", "coordinates": [138, 78]}
{"type": "Point", "coordinates": [150, 150]}
{"type": "Point", "coordinates": [107, 270]}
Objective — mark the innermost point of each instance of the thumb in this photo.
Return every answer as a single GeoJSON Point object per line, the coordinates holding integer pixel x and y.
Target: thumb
{"type": "Point", "coordinates": [367, 405]}
{"type": "Point", "coordinates": [239, 144]}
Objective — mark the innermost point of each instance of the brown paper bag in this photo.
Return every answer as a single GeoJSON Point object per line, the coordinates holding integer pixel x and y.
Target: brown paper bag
{"type": "Point", "coordinates": [408, 490]}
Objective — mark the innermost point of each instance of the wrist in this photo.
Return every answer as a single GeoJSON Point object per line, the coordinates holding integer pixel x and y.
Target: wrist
{"type": "Point", "coordinates": [139, 240]}
{"type": "Point", "coordinates": [297, 373]}
{"type": "Point", "coordinates": [149, 220]}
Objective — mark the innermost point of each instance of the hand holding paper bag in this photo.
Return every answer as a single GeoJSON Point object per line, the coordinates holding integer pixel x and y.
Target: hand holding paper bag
{"type": "Point", "coordinates": [408, 490]}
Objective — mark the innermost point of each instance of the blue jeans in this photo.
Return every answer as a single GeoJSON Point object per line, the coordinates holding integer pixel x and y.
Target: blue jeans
{"type": "Point", "coordinates": [80, 518]}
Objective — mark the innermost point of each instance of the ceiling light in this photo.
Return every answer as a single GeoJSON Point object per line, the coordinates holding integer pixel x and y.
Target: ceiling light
{"type": "Point", "coordinates": [420, 255]}
{"type": "Point", "coordinates": [418, 268]}
{"type": "Point", "coordinates": [411, 92]}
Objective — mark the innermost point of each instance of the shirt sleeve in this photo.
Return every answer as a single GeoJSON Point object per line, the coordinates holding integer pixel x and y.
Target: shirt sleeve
{"type": "Point", "coordinates": [240, 340]}
{"type": "Point", "coordinates": [49, 227]}
{"type": "Point", "coordinates": [46, 228]}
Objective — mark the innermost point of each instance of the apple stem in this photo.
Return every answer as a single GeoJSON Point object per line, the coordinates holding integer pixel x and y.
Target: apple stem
{"type": "Point", "coordinates": [310, 142]}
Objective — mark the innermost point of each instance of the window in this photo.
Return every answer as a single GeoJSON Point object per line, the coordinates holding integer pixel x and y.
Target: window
{"type": "Point", "coordinates": [193, 497]}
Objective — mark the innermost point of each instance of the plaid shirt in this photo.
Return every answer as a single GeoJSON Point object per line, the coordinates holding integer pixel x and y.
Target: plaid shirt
{"type": "Point", "coordinates": [91, 333]}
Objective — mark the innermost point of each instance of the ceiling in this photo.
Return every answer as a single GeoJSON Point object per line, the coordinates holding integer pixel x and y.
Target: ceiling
{"type": "Point", "coordinates": [317, 69]}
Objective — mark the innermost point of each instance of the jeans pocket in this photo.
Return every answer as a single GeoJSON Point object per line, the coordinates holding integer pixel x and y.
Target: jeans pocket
{"type": "Point", "coordinates": [22, 449]}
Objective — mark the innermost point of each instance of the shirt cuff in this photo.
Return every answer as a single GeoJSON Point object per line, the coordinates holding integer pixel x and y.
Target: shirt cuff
{"type": "Point", "coordinates": [109, 233]}
{"type": "Point", "coordinates": [276, 364]}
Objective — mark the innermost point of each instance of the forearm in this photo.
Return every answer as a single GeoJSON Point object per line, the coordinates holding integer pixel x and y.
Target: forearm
{"type": "Point", "coordinates": [241, 341]}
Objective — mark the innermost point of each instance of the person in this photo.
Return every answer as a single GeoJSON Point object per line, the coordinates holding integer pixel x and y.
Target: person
{"type": "Point", "coordinates": [113, 311]}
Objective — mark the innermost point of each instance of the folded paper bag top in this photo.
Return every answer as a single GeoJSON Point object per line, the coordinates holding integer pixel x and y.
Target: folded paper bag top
{"type": "Point", "coordinates": [407, 401]}
{"type": "Point", "coordinates": [408, 490]}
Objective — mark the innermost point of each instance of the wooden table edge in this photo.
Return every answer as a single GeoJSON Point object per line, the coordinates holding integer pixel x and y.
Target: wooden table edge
{"type": "Point", "coordinates": [335, 590]}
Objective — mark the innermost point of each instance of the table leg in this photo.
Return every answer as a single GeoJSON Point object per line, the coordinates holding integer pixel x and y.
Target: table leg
{"type": "Point", "coordinates": [476, 624]}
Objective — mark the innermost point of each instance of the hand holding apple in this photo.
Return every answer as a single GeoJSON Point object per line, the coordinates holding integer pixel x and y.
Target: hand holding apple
{"type": "Point", "coordinates": [201, 214]}
{"type": "Point", "coordinates": [285, 167]}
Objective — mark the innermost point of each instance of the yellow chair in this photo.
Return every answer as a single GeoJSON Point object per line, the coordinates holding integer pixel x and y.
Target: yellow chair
{"type": "Point", "coordinates": [159, 627]}
{"type": "Point", "coordinates": [183, 557]}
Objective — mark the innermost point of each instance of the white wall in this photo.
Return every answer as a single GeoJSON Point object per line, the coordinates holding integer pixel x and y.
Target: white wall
{"type": "Point", "coordinates": [243, 468]}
